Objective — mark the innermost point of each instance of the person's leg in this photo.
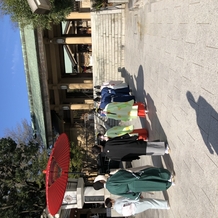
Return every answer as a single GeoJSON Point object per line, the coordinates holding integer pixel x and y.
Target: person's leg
{"type": "Point", "coordinates": [142, 133]}
{"type": "Point", "coordinates": [149, 203]}
{"type": "Point", "coordinates": [141, 109]}
{"type": "Point", "coordinates": [123, 98]}
{"type": "Point", "coordinates": [157, 179]}
{"type": "Point", "coordinates": [121, 91]}
{"type": "Point", "coordinates": [120, 86]}
{"type": "Point", "coordinates": [156, 148]}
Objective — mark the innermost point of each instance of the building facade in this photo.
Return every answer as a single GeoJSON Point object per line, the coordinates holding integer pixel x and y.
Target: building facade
{"type": "Point", "coordinates": [58, 65]}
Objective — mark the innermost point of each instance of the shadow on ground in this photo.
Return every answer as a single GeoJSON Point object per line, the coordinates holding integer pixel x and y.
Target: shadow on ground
{"type": "Point", "coordinates": [152, 123]}
{"type": "Point", "coordinates": [138, 89]}
{"type": "Point", "coordinates": [207, 121]}
{"type": "Point", "coordinates": [156, 132]}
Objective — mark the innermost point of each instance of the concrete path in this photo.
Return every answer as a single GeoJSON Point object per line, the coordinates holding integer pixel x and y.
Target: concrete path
{"type": "Point", "coordinates": [171, 62]}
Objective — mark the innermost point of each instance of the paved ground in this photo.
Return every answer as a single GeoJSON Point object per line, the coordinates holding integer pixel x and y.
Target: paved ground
{"type": "Point", "coordinates": [171, 62]}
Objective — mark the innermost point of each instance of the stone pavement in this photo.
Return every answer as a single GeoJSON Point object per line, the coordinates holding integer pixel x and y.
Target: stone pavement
{"type": "Point", "coordinates": [171, 62]}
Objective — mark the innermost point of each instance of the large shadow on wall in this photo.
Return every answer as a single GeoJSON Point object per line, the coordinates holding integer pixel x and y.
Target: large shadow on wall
{"type": "Point", "coordinates": [207, 121]}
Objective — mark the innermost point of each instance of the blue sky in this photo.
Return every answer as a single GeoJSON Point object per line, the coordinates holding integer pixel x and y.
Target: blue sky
{"type": "Point", "coordinates": [14, 106]}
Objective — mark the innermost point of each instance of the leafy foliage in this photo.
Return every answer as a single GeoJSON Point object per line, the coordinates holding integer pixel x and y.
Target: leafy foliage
{"type": "Point", "coordinates": [20, 12]}
{"type": "Point", "coordinates": [22, 188]}
{"type": "Point", "coordinates": [22, 159]}
{"type": "Point", "coordinates": [77, 156]}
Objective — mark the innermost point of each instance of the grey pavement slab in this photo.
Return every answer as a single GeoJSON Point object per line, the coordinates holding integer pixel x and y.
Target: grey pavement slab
{"type": "Point", "coordinates": [171, 63]}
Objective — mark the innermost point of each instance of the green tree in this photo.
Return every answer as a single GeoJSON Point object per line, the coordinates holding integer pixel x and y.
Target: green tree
{"type": "Point", "coordinates": [20, 12]}
{"type": "Point", "coordinates": [77, 155]}
{"type": "Point", "coordinates": [22, 189]}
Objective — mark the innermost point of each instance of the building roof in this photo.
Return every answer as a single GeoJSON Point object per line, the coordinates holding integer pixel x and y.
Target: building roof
{"type": "Point", "coordinates": [36, 90]}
